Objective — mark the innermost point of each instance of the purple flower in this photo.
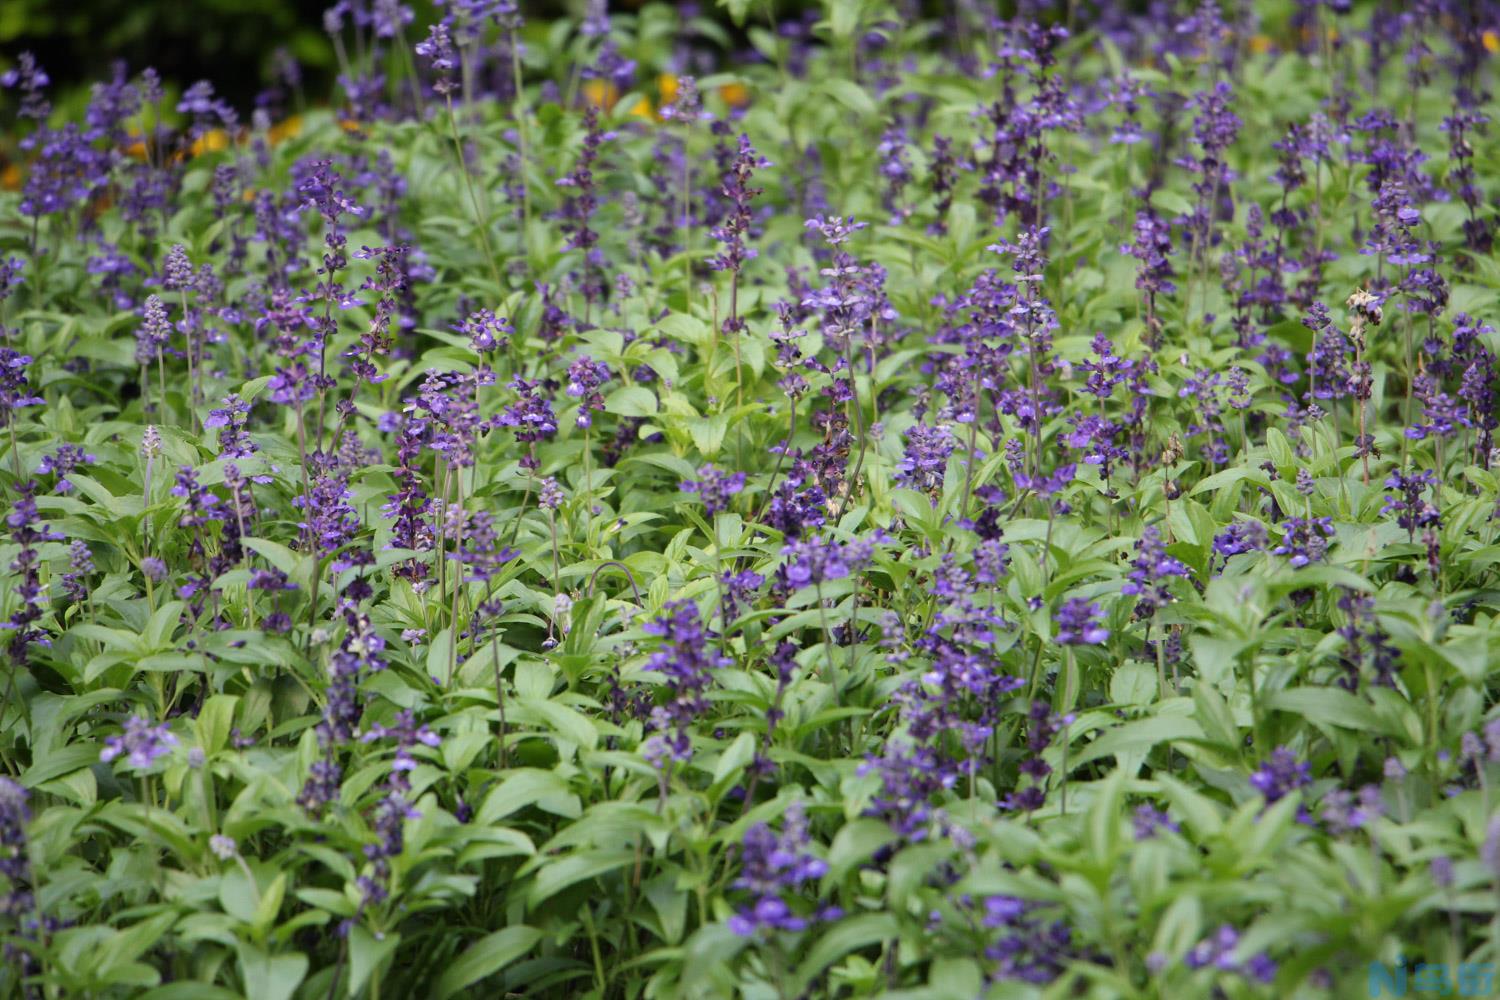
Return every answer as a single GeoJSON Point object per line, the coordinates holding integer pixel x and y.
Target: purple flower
{"type": "Point", "coordinates": [1217, 951]}
{"type": "Point", "coordinates": [177, 270]}
{"type": "Point", "coordinates": [230, 419]}
{"type": "Point", "coordinates": [15, 392]}
{"type": "Point", "coordinates": [686, 663]}
{"type": "Point", "coordinates": [1152, 249]}
{"type": "Point", "coordinates": [30, 79]}
{"type": "Point", "coordinates": [910, 774]}
{"type": "Point", "coordinates": [735, 228]}
{"type": "Point", "coordinates": [585, 376]}
{"type": "Point", "coordinates": [814, 560]}
{"type": "Point", "coordinates": [1239, 537]}
{"type": "Point", "coordinates": [582, 199]}
{"type": "Point", "coordinates": [14, 863]}
{"type": "Point", "coordinates": [80, 566]}
{"type": "Point", "coordinates": [437, 49]}
{"type": "Point", "coordinates": [1361, 630]}
{"type": "Point", "coordinates": [28, 531]}
{"type": "Point", "coordinates": [62, 462]}
{"type": "Point", "coordinates": [1442, 871]}
{"type": "Point", "coordinates": [1281, 774]}
{"type": "Point", "coordinates": [774, 867]}
{"type": "Point", "coordinates": [292, 386]}
{"type": "Point", "coordinates": [686, 105]}
{"type": "Point", "coordinates": [925, 460]}
{"type": "Point", "coordinates": [329, 521]}
{"type": "Point", "coordinates": [1343, 812]}
{"type": "Point", "coordinates": [322, 785]}
{"type": "Point", "coordinates": [1078, 623]}
{"type": "Point", "coordinates": [549, 494]}
{"type": "Point", "coordinates": [480, 551]}
{"type": "Point", "coordinates": [1304, 540]}
{"type": "Point", "coordinates": [531, 414]}
{"type": "Point", "coordinates": [141, 743]}
{"type": "Point", "coordinates": [486, 331]}
{"type": "Point", "coordinates": [1150, 571]}
{"type": "Point", "coordinates": [714, 487]}
{"type": "Point", "coordinates": [201, 506]}
{"type": "Point", "coordinates": [1149, 821]}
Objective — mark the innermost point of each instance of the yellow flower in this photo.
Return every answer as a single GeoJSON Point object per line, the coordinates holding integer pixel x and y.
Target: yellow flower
{"type": "Point", "coordinates": [601, 94]}
{"type": "Point", "coordinates": [10, 178]}
{"type": "Point", "coordinates": [282, 131]}
{"type": "Point", "coordinates": [1491, 41]}
{"type": "Point", "coordinates": [213, 141]}
{"type": "Point", "coordinates": [666, 84]}
{"type": "Point", "coordinates": [642, 109]}
{"type": "Point", "coordinates": [1260, 44]}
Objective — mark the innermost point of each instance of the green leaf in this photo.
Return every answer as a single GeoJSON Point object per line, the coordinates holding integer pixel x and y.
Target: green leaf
{"type": "Point", "coordinates": [850, 94]}
{"type": "Point", "coordinates": [1212, 712]}
{"type": "Point", "coordinates": [366, 954]}
{"type": "Point", "coordinates": [269, 977]}
{"type": "Point", "coordinates": [568, 722]}
{"type": "Point", "coordinates": [631, 401]}
{"type": "Point", "coordinates": [1133, 683]}
{"type": "Point", "coordinates": [708, 433]}
{"type": "Point", "coordinates": [70, 758]}
{"type": "Point", "coordinates": [1140, 736]}
{"type": "Point", "coordinates": [737, 10]}
{"type": "Point", "coordinates": [688, 329]}
{"type": "Point", "coordinates": [1104, 819]}
{"type": "Point", "coordinates": [842, 938]}
{"type": "Point", "coordinates": [440, 655]}
{"type": "Point", "coordinates": [1329, 705]}
{"type": "Point", "coordinates": [485, 957]}
{"type": "Point", "coordinates": [195, 990]}
{"type": "Point", "coordinates": [1280, 450]}
{"type": "Point", "coordinates": [546, 790]}
{"type": "Point", "coordinates": [557, 875]}
{"type": "Point", "coordinates": [856, 841]}
{"type": "Point", "coordinates": [158, 630]}
{"type": "Point", "coordinates": [1200, 812]}
{"type": "Point", "coordinates": [734, 759]}
{"type": "Point", "coordinates": [214, 722]}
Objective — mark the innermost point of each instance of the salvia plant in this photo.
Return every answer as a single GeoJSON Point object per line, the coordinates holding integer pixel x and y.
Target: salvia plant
{"type": "Point", "coordinates": [890, 500]}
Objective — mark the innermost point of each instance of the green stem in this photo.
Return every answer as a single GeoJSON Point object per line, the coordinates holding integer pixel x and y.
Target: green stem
{"type": "Point", "coordinates": [479, 218]}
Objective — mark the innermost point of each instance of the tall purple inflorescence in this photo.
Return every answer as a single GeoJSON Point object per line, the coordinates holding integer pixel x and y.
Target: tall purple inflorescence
{"type": "Point", "coordinates": [686, 662]}
{"type": "Point", "coordinates": [774, 870]}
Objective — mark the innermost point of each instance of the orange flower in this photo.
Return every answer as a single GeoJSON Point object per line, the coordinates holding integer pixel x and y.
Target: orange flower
{"type": "Point", "coordinates": [1260, 44]}
{"type": "Point", "coordinates": [736, 95]}
{"type": "Point", "coordinates": [10, 177]}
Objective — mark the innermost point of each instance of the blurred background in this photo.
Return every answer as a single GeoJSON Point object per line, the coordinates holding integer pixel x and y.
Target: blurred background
{"type": "Point", "coordinates": [233, 43]}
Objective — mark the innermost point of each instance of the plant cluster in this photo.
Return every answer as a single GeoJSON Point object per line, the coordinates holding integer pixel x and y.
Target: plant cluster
{"type": "Point", "coordinates": [927, 507]}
